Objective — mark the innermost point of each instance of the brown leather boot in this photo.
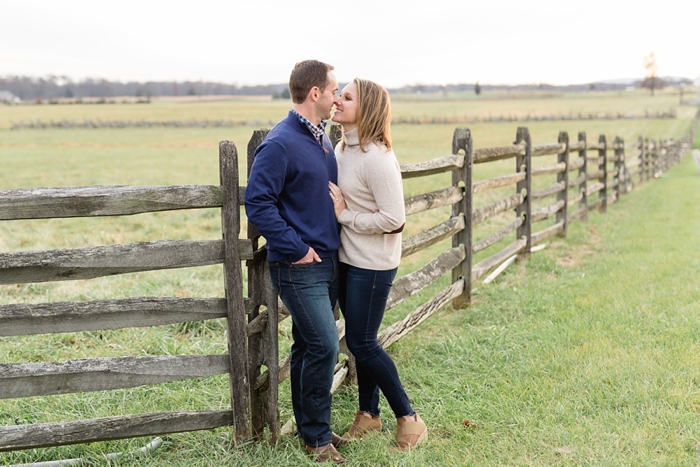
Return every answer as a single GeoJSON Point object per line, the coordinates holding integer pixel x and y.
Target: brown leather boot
{"type": "Point", "coordinates": [410, 433]}
{"type": "Point", "coordinates": [362, 424]}
{"type": "Point", "coordinates": [326, 453]}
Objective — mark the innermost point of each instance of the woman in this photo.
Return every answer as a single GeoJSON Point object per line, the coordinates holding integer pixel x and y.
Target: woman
{"type": "Point", "coordinates": [369, 205]}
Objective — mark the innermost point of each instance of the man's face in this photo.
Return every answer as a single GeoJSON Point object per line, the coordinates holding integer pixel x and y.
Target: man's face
{"type": "Point", "coordinates": [328, 97]}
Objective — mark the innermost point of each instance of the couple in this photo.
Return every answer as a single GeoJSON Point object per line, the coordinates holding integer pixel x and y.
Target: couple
{"type": "Point", "coordinates": [332, 222]}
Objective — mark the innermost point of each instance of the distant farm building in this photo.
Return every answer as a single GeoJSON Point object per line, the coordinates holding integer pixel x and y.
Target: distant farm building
{"type": "Point", "coordinates": [6, 97]}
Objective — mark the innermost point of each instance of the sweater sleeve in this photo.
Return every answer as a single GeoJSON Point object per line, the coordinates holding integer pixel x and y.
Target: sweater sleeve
{"type": "Point", "coordinates": [383, 178]}
{"type": "Point", "coordinates": [262, 194]}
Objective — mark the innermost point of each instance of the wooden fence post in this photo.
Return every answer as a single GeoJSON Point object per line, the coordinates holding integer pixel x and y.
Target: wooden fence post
{"type": "Point", "coordinates": [603, 166]}
{"type": "Point", "coordinates": [233, 284]}
{"type": "Point", "coordinates": [262, 343]}
{"type": "Point", "coordinates": [583, 152]}
{"type": "Point", "coordinates": [619, 165]}
{"type": "Point", "coordinates": [523, 163]}
{"type": "Point", "coordinates": [462, 141]}
{"type": "Point", "coordinates": [563, 178]}
{"type": "Point", "coordinates": [642, 155]}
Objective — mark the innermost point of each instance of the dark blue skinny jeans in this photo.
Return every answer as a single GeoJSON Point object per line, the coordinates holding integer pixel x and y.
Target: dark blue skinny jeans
{"type": "Point", "coordinates": [310, 292]}
{"type": "Point", "coordinates": [362, 298]}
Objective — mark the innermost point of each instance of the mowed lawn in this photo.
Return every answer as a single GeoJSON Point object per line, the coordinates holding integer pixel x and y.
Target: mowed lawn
{"type": "Point", "coordinates": [586, 354]}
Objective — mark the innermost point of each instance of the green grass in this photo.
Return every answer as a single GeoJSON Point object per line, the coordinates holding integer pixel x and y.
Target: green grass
{"type": "Point", "coordinates": [583, 355]}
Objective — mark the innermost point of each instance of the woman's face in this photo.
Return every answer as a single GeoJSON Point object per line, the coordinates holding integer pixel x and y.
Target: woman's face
{"type": "Point", "coordinates": [346, 108]}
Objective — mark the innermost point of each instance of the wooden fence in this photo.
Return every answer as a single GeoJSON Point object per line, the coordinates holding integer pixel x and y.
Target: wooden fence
{"type": "Point", "coordinates": [589, 175]}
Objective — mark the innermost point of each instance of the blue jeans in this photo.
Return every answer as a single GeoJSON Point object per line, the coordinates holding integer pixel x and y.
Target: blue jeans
{"type": "Point", "coordinates": [310, 292]}
{"type": "Point", "coordinates": [362, 298]}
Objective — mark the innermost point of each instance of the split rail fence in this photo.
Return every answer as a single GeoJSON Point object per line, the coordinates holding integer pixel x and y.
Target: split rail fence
{"type": "Point", "coordinates": [587, 175]}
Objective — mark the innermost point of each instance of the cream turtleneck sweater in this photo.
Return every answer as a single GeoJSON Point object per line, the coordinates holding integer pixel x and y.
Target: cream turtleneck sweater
{"type": "Point", "coordinates": [373, 190]}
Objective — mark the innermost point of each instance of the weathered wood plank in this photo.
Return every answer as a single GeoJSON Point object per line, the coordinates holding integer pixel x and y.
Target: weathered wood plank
{"type": "Point", "coordinates": [490, 240]}
{"type": "Point", "coordinates": [490, 210]}
{"type": "Point", "coordinates": [547, 211]}
{"type": "Point", "coordinates": [549, 191]}
{"type": "Point", "coordinates": [546, 233]}
{"type": "Point", "coordinates": [399, 329]}
{"type": "Point", "coordinates": [237, 336]}
{"type": "Point", "coordinates": [416, 281]}
{"type": "Point", "coordinates": [577, 145]}
{"type": "Point", "coordinates": [41, 435]}
{"type": "Point", "coordinates": [549, 169]}
{"type": "Point", "coordinates": [578, 214]}
{"type": "Point", "coordinates": [598, 145]}
{"type": "Point", "coordinates": [433, 166]}
{"type": "Point", "coordinates": [483, 267]}
{"type": "Point", "coordinates": [432, 236]}
{"type": "Point", "coordinates": [42, 203]}
{"type": "Point", "coordinates": [497, 153]}
{"type": "Point", "coordinates": [576, 198]}
{"type": "Point", "coordinates": [20, 319]}
{"type": "Point", "coordinates": [497, 182]}
{"type": "Point", "coordinates": [594, 188]}
{"type": "Point", "coordinates": [88, 263]}
{"type": "Point", "coordinates": [435, 199]}
{"type": "Point", "coordinates": [595, 204]}
{"type": "Point", "coordinates": [547, 149]}
{"type": "Point", "coordinates": [578, 180]}
{"type": "Point", "coordinates": [577, 163]}
{"type": "Point", "coordinates": [100, 374]}
{"type": "Point", "coordinates": [598, 174]}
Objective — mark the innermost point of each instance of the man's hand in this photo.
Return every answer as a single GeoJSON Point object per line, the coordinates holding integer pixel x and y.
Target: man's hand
{"type": "Point", "coordinates": [310, 257]}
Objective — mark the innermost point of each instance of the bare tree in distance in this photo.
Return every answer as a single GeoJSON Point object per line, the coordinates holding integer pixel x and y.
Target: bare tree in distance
{"type": "Point", "coordinates": [651, 79]}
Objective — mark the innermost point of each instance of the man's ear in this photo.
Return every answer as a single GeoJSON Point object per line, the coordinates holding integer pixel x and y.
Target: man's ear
{"type": "Point", "coordinates": [314, 93]}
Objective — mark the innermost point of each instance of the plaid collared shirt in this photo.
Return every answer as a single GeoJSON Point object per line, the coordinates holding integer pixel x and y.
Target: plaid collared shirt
{"type": "Point", "coordinates": [317, 131]}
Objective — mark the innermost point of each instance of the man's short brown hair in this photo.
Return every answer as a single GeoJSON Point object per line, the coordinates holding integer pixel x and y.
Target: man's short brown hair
{"type": "Point", "coordinates": [305, 76]}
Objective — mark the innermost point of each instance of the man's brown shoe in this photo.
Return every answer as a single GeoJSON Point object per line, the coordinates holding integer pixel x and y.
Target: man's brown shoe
{"type": "Point", "coordinates": [337, 441]}
{"type": "Point", "coordinates": [362, 424]}
{"type": "Point", "coordinates": [326, 453]}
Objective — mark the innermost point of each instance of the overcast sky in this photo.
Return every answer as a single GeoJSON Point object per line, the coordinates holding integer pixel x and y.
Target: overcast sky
{"type": "Point", "coordinates": [393, 42]}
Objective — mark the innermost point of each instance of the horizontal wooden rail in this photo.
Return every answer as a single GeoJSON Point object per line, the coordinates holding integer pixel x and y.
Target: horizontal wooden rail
{"type": "Point", "coordinates": [547, 211]}
{"type": "Point", "coordinates": [432, 236]}
{"type": "Point", "coordinates": [490, 210]}
{"type": "Point", "coordinates": [482, 155]}
{"type": "Point", "coordinates": [45, 203]}
{"type": "Point", "coordinates": [577, 145]}
{"type": "Point", "coordinates": [483, 267]}
{"type": "Point", "coordinates": [399, 329]}
{"type": "Point", "coordinates": [40, 435]}
{"type": "Point", "coordinates": [546, 233]}
{"type": "Point", "coordinates": [434, 166]}
{"type": "Point", "coordinates": [101, 374]}
{"type": "Point", "coordinates": [549, 191]}
{"type": "Point", "coordinates": [594, 188]}
{"type": "Point", "coordinates": [548, 149]}
{"type": "Point", "coordinates": [493, 238]}
{"type": "Point", "coordinates": [416, 281]}
{"type": "Point", "coordinates": [498, 182]}
{"type": "Point", "coordinates": [89, 263]}
{"type": "Point", "coordinates": [26, 318]}
{"type": "Point", "coordinates": [549, 169]}
{"type": "Point", "coordinates": [435, 199]}
{"type": "Point", "coordinates": [578, 180]}
{"type": "Point", "coordinates": [576, 198]}
{"type": "Point", "coordinates": [577, 163]}
{"type": "Point", "coordinates": [578, 214]}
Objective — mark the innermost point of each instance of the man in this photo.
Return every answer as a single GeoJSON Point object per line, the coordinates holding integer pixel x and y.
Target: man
{"type": "Point", "coordinates": [287, 201]}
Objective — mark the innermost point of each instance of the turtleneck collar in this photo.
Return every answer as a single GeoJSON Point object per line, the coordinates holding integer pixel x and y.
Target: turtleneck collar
{"type": "Point", "coordinates": [352, 137]}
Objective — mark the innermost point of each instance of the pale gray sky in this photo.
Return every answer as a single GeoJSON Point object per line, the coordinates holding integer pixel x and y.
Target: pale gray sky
{"type": "Point", "coordinates": [393, 42]}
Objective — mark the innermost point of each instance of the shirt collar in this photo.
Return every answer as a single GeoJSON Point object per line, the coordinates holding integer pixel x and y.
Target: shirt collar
{"type": "Point", "coordinates": [317, 131]}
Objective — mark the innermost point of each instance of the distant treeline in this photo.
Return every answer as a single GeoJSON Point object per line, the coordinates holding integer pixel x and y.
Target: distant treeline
{"type": "Point", "coordinates": [56, 87]}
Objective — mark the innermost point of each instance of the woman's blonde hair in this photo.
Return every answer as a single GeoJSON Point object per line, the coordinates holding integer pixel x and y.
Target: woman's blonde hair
{"type": "Point", "coordinates": [373, 114]}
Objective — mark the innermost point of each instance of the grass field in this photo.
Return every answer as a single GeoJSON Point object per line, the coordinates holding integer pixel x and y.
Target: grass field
{"type": "Point", "coordinates": [586, 354]}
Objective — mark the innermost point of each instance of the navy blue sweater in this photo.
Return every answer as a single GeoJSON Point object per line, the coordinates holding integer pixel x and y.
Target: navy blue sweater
{"type": "Point", "coordinates": [287, 196]}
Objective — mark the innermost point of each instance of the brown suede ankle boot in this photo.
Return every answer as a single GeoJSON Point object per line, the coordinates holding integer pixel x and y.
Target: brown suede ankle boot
{"type": "Point", "coordinates": [362, 424]}
{"type": "Point", "coordinates": [410, 433]}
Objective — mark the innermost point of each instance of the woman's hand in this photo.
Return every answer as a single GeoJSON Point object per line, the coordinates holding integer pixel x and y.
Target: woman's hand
{"type": "Point", "coordinates": [338, 199]}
